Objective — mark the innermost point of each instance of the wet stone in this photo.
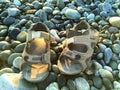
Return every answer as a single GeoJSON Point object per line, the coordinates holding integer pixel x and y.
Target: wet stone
{"type": "Point", "coordinates": [13, 11]}
{"type": "Point", "coordinates": [47, 9]}
{"type": "Point", "coordinates": [108, 68]}
{"type": "Point", "coordinates": [100, 56]}
{"type": "Point", "coordinates": [51, 78]}
{"type": "Point", "coordinates": [119, 74]}
{"type": "Point", "coordinates": [4, 55]}
{"type": "Point", "coordinates": [37, 4]}
{"type": "Point", "coordinates": [97, 82]}
{"type": "Point", "coordinates": [102, 47]}
{"type": "Point", "coordinates": [116, 85]}
{"type": "Point", "coordinates": [107, 55]}
{"type": "Point", "coordinates": [22, 36]}
{"type": "Point", "coordinates": [3, 43]}
{"type": "Point", "coordinates": [53, 86]}
{"type": "Point", "coordinates": [36, 19]}
{"type": "Point", "coordinates": [115, 21]}
{"type": "Point", "coordinates": [17, 62]}
{"type": "Point", "coordinates": [3, 32]}
{"type": "Point", "coordinates": [28, 24]}
{"type": "Point", "coordinates": [17, 2]}
{"type": "Point", "coordinates": [19, 48]}
{"type": "Point", "coordinates": [64, 88]}
{"type": "Point", "coordinates": [50, 24]}
{"type": "Point", "coordinates": [97, 18]}
{"type": "Point", "coordinates": [116, 48]}
{"type": "Point", "coordinates": [107, 42]}
{"type": "Point", "coordinates": [119, 66]}
{"type": "Point", "coordinates": [3, 14]}
{"type": "Point", "coordinates": [14, 81]}
{"type": "Point", "coordinates": [12, 57]}
{"type": "Point", "coordinates": [71, 84]}
{"type": "Point", "coordinates": [56, 12]}
{"type": "Point", "coordinates": [118, 11]}
{"type": "Point", "coordinates": [9, 20]}
{"type": "Point", "coordinates": [93, 88]}
{"type": "Point", "coordinates": [91, 16]}
{"type": "Point", "coordinates": [113, 30]}
{"type": "Point", "coordinates": [97, 65]}
{"type": "Point", "coordinates": [38, 12]}
{"type": "Point", "coordinates": [106, 74]}
{"type": "Point", "coordinates": [55, 69]}
{"type": "Point", "coordinates": [6, 70]}
{"type": "Point", "coordinates": [43, 16]}
{"type": "Point", "coordinates": [103, 14]}
{"type": "Point", "coordinates": [72, 14]}
{"type": "Point", "coordinates": [113, 65]}
{"type": "Point", "coordinates": [115, 57]}
{"type": "Point", "coordinates": [60, 4]}
{"type": "Point", "coordinates": [14, 43]}
{"type": "Point", "coordinates": [81, 84]}
{"type": "Point", "coordinates": [107, 83]}
{"type": "Point", "coordinates": [13, 33]}
{"type": "Point", "coordinates": [103, 87]}
{"type": "Point", "coordinates": [61, 81]}
{"type": "Point", "coordinates": [103, 22]}
{"type": "Point", "coordinates": [79, 2]}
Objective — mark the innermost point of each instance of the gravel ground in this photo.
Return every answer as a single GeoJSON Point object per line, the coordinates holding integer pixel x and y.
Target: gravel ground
{"type": "Point", "coordinates": [16, 17]}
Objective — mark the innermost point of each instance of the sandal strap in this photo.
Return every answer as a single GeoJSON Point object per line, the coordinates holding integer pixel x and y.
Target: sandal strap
{"type": "Point", "coordinates": [39, 34]}
{"type": "Point", "coordinates": [71, 55]}
{"type": "Point", "coordinates": [83, 40]}
{"type": "Point", "coordinates": [35, 58]}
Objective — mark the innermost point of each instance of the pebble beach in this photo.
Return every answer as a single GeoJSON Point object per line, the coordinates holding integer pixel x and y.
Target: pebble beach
{"type": "Point", "coordinates": [16, 17]}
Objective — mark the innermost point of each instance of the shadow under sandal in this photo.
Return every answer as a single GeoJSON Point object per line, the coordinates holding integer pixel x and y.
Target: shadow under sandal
{"type": "Point", "coordinates": [36, 55]}
{"type": "Point", "coordinates": [77, 49]}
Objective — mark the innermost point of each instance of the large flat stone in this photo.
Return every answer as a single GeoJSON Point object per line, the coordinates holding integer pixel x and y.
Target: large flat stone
{"type": "Point", "coordinates": [14, 81]}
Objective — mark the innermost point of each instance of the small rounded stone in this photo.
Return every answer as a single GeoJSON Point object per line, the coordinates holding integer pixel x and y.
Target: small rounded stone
{"type": "Point", "coordinates": [72, 14]}
{"type": "Point", "coordinates": [115, 21]}
{"type": "Point", "coordinates": [116, 85]}
{"type": "Point", "coordinates": [12, 57]}
{"type": "Point", "coordinates": [107, 42]}
{"type": "Point", "coordinates": [106, 74]}
{"type": "Point", "coordinates": [81, 84]}
{"type": "Point", "coordinates": [53, 86]}
{"type": "Point", "coordinates": [55, 69]}
{"type": "Point", "coordinates": [100, 56]}
{"type": "Point", "coordinates": [61, 80]}
{"type": "Point", "coordinates": [64, 88]}
{"type": "Point", "coordinates": [9, 20]}
{"type": "Point", "coordinates": [107, 83]}
{"type": "Point", "coordinates": [71, 84]}
{"type": "Point", "coordinates": [116, 48]}
{"type": "Point", "coordinates": [97, 82]}
{"type": "Point", "coordinates": [113, 65]}
{"type": "Point", "coordinates": [19, 48]}
{"type": "Point", "coordinates": [119, 66]}
{"type": "Point", "coordinates": [4, 55]}
{"type": "Point", "coordinates": [22, 36]}
{"type": "Point", "coordinates": [17, 62]}
{"type": "Point", "coordinates": [6, 70]}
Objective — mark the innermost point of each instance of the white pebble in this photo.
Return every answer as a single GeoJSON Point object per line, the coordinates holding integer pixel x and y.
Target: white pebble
{"type": "Point", "coordinates": [54, 33]}
{"type": "Point", "coordinates": [119, 66]}
{"type": "Point", "coordinates": [17, 2]}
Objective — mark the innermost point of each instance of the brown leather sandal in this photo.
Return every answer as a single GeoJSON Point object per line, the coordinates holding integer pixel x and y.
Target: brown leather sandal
{"type": "Point", "coordinates": [36, 54]}
{"type": "Point", "coordinates": [77, 50]}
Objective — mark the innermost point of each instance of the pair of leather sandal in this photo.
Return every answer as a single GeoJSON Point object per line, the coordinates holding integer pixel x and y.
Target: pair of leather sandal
{"type": "Point", "coordinates": [75, 57]}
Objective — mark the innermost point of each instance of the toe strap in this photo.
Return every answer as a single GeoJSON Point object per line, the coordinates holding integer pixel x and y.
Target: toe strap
{"type": "Point", "coordinates": [71, 55]}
